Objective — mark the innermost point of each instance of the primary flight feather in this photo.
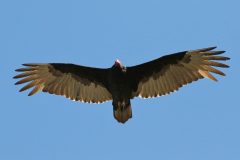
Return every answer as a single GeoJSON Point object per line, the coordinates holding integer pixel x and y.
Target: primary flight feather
{"type": "Point", "coordinates": [120, 84]}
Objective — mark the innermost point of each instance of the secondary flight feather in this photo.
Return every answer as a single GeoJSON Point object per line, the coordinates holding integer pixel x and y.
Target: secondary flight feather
{"type": "Point", "coordinates": [119, 83]}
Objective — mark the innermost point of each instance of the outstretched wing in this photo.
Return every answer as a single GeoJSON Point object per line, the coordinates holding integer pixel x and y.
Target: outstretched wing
{"type": "Point", "coordinates": [78, 83]}
{"type": "Point", "coordinates": [169, 73]}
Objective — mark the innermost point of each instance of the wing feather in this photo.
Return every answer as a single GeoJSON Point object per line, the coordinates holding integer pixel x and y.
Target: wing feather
{"type": "Point", "coordinates": [75, 82]}
{"type": "Point", "coordinates": [169, 73]}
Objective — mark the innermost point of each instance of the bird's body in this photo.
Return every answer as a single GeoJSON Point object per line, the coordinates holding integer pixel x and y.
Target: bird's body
{"type": "Point", "coordinates": [119, 83]}
{"type": "Point", "coordinates": [121, 91]}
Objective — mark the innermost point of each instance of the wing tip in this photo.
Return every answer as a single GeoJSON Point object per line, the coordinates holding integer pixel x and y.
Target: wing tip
{"type": "Point", "coordinates": [30, 64]}
{"type": "Point", "coordinates": [17, 83]}
{"type": "Point", "coordinates": [15, 77]}
{"type": "Point", "coordinates": [30, 94]}
{"type": "Point", "coordinates": [209, 48]}
{"type": "Point", "coordinates": [227, 66]}
{"type": "Point", "coordinates": [214, 47]}
{"type": "Point", "coordinates": [27, 64]}
{"type": "Point", "coordinates": [214, 79]}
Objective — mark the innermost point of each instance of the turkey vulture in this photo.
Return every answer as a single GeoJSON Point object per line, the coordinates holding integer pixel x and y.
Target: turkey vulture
{"type": "Point", "coordinates": [120, 84]}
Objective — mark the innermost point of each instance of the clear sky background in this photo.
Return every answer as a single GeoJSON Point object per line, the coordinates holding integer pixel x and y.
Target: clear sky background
{"type": "Point", "coordinates": [199, 122]}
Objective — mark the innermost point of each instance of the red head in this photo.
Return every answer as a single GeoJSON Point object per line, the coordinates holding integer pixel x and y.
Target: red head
{"type": "Point", "coordinates": [118, 63]}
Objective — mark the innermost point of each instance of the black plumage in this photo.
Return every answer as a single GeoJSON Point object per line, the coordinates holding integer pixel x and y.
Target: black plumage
{"type": "Point", "coordinates": [120, 84]}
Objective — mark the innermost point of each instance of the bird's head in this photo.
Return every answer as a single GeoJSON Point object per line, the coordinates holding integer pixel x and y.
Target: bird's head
{"type": "Point", "coordinates": [118, 64]}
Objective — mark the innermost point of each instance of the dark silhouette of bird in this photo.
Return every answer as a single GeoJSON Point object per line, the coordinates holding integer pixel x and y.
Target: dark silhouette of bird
{"type": "Point", "coordinates": [119, 83]}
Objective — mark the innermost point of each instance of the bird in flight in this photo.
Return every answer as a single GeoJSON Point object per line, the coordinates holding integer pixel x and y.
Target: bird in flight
{"type": "Point", "coordinates": [119, 83]}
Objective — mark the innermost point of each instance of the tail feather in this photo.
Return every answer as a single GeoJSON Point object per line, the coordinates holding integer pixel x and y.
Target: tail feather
{"type": "Point", "coordinates": [122, 112]}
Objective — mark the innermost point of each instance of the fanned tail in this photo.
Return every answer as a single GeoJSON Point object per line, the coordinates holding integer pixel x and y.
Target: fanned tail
{"type": "Point", "coordinates": [122, 111]}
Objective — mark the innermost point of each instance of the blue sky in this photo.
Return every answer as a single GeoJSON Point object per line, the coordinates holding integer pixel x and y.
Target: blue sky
{"type": "Point", "coordinates": [201, 121]}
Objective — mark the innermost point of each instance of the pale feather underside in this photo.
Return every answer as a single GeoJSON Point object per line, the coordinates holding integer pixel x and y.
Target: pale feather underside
{"type": "Point", "coordinates": [173, 73]}
{"type": "Point", "coordinates": [44, 77]}
{"type": "Point", "coordinates": [195, 65]}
